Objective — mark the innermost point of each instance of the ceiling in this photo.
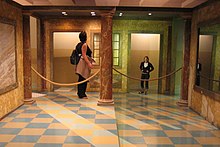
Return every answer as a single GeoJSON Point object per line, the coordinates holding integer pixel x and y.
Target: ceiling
{"type": "Point", "coordinates": [133, 3]}
{"type": "Point", "coordinates": [138, 9]}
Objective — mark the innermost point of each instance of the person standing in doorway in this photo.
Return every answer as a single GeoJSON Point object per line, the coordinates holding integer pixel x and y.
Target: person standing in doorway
{"type": "Point", "coordinates": [146, 67]}
{"type": "Point", "coordinates": [83, 68]}
{"type": "Point", "coordinates": [198, 70]}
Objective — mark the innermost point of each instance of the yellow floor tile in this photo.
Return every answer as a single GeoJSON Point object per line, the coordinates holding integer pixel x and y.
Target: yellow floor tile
{"type": "Point", "coordinates": [135, 133]}
{"type": "Point", "coordinates": [102, 116]}
{"type": "Point", "coordinates": [57, 126]}
{"type": "Point", "coordinates": [15, 125]}
{"type": "Point", "coordinates": [108, 126]}
{"type": "Point", "coordinates": [157, 140]}
{"type": "Point", "coordinates": [20, 145]}
{"type": "Point", "coordinates": [86, 112]}
{"type": "Point", "coordinates": [26, 115]}
{"type": "Point", "coordinates": [84, 132]}
{"type": "Point", "coordinates": [32, 131]}
{"type": "Point", "coordinates": [208, 140]}
{"type": "Point", "coordinates": [76, 145]}
{"type": "Point", "coordinates": [174, 133]}
{"type": "Point", "coordinates": [216, 133]}
{"type": "Point", "coordinates": [105, 140]}
{"type": "Point", "coordinates": [6, 138]}
{"type": "Point", "coordinates": [188, 145]}
{"type": "Point", "coordinates": [194, 128]}
{"type": "Point", "coordinates": [42, 120]}
{"type": "Point", "coordinates": [52, 139]}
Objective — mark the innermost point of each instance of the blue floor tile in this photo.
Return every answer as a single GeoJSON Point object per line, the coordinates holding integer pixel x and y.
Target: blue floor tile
{"type": "Point", "coordinates": [201, 134]}
{"type": "Point", "coordinates": [72, 105]}
{"type": "Point", "coordinates": [125, 127]}
{"type": "Point", "coordinates": [22, 120]}
{"type": "Point", "coordinates": [48, 145]}
{"type": "Point", "coordinates": [88, 115]}
{"type": "Point", "coordinates": [9, 131]}
{"type": "Point", "coordinates": [56, 132]}
{"type": "Point", "coordinates": [105, 121]}
{"type": "Point", "coordinates": [2, 124]}
{"type": "Point", "coordinates": [134, 140]}
{"type": "Point", "coordinates": [37, 125]}
{"type": "Point", "coordinates": [32, 111]}
{"type": "Point", "coordinates": [76, 140]}
{"type": "Point", "coordinates": [153, 133]}
{"type": "Point", "coordinates": [43, 116]}
{"type": "Point", "coordinates": [26, 138]}
{"type": "Point", "coordinates": [183, 140]}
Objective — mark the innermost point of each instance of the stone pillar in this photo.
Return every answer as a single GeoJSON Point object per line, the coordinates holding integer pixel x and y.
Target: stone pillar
{"type": "Point", "coordinates": [169, 85]}
{"type": "Point", "coordinates": [106, 59]}
{"type": "Point", "coordinates": [27, 61]}
{"type": "Point", "coordinates": [41, 55]}
{"type": "Point", "coordinates": [185, 70]}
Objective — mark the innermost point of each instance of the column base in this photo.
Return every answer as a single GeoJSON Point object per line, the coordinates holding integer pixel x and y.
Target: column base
{"type": "Point", "coordinates": [105, 103]}
{"type": "Point", "coordinates": [29, 101]}
{"type": "Point", "coordinates": [182, 103]}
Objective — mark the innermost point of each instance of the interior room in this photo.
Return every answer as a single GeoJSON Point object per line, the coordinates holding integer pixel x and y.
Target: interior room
{"type": "Point", "coordinates": [43, 102]}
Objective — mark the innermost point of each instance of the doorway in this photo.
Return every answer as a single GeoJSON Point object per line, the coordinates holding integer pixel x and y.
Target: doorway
{"type": "Point", "coordinates": [143, 44]}
{"type": "Point", "coordinates": [63, 45]}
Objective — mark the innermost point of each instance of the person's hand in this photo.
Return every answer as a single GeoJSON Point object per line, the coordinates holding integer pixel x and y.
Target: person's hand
{"type": "Point", "coordinates": [90, 65]}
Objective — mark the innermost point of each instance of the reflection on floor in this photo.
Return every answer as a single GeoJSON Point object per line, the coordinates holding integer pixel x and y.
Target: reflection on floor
{"type": "Point", "coordinates": [61, 119]}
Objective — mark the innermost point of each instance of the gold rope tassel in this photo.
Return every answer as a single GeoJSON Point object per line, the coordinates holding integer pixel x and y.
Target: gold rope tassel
{"type": "Point", "coordinates": [64, 84]}
{"type": "Point", "coordinates": [148, 79]}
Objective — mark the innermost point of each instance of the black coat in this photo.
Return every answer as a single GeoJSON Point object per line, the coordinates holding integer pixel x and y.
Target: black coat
{"type": "Point", "coordinates": [148, 69]}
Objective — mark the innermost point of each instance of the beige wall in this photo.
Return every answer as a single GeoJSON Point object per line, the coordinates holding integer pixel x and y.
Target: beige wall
{"type": "Point", "coordinates": [202, 101]}
{"type": "Point", "coordinates": [144, 45]}
{"type": "Point", "coordinates": [14, 98]}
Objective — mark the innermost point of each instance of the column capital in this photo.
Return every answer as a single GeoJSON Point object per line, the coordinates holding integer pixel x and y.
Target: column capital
{"type": "Point", "coordinates": [108, 13]}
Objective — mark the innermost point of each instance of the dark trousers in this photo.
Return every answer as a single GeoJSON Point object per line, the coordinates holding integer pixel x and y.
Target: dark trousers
{"type": "Point", "coordinates": [81, 87]}
{"type": "Point", "coordinates": [145, 76]}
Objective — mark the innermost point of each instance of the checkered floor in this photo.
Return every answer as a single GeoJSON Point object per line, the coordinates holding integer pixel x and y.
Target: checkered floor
{"type": "Point", "coordinates": [61, 119]}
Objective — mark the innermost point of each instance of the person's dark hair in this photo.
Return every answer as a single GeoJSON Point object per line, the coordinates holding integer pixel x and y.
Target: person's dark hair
{"type": "Point", "coordinates": [146, 57]}
{"type": "Point", "coordinates": [83, 36]}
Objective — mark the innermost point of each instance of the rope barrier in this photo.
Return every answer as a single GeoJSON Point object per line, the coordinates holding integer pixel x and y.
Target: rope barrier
{"type": "Point", "coordinates": [148, 79]}
{"type": "Point", "coordinates": [209, 79]}
{"type": "Point", "coordinates": [64, 84]}
{"type": "Point", "coordinates": [73, 84]}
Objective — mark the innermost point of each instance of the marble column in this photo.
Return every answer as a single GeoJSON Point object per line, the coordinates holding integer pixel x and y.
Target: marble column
{"type": "Point", "coordinates": [27, 60]}
{"type": "Point", "coordinates": [41, 55]}
{"type": "Point", "coordinates": [185, 70]}
{"type": "Point", "coordinates": [106, 59]}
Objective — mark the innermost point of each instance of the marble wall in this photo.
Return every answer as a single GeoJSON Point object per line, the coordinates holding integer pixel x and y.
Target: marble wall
{"type": "Point", "coordinates": [14, 98]}
{"type": "Point", "coordinates": [204, 102]}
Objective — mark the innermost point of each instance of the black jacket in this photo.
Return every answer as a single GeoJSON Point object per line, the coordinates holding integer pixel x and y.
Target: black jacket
{"type": "Point", "coordinates": [147, 69]}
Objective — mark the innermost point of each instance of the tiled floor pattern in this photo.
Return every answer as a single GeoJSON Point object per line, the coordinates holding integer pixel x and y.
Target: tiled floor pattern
{"type": "Point", "coordinates": [61, 119]}
{"type": "Point", "coordinates": [155, 120]}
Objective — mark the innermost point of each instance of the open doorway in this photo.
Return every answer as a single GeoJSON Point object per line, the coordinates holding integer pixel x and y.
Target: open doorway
{"type": "Point", "coordinates": [63, 44]}
{"type": "Point", "coordinates": [143, 44]}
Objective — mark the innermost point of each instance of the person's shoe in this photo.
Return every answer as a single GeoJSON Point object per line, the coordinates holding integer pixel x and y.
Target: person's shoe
{"type": "Point", "coordinates": [145, 92]}
{"type": "Point", "coordinates": [140, 92]}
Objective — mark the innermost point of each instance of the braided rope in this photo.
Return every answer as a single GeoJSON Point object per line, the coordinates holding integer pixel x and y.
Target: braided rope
{"type": "Point", "coordinates": [134, 78]}
{"type": "Point", "coordinates": [204, 77]}
{"type": "Point", "coordinates": [65, 84]}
